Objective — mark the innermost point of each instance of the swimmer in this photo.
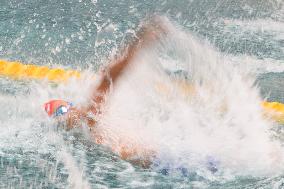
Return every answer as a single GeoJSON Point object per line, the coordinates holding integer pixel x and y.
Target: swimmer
{"type": "Point", "coordinates": [74, 116]}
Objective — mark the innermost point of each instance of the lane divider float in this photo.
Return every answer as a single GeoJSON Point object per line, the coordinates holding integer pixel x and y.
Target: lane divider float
{"type": "Point", "coordinates": [17, 70]}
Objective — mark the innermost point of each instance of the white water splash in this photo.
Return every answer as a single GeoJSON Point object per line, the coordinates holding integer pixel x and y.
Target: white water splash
{"type": "Point", "coordinates": [222, 118]}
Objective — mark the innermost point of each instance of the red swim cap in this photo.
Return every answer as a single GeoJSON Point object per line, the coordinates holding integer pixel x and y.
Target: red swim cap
{"type": "Point", "coordinates": [52, 106]}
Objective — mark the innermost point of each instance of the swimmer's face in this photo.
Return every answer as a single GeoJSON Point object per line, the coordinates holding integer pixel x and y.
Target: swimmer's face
{"type": "Point", "coordinates": [55, 108]}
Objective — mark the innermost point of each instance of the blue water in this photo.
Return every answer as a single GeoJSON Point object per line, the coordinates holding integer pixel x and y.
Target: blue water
{"type": "Point", "coordinates": [87, 33]}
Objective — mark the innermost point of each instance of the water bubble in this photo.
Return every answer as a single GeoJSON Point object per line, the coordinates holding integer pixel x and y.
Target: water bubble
{"type": "Point", "coordinates": [67, 41]}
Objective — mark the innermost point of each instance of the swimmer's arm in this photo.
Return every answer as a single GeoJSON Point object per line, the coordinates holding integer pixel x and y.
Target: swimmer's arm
{"type": "Point", "coordinates": [109, 77]}
{"type": "Point", "coordinates": [145, 36]}
{"type": "Point", "coordinates": [139, 155]}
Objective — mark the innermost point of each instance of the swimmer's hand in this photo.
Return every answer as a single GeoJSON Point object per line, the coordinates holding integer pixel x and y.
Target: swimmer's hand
{"type": "Point", "coordinates": [151, 31]}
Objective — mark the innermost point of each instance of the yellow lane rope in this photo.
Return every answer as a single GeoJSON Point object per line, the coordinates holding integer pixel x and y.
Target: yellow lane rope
{"type": "Point", "coordinates": [274, 110]}
{"type": "Point", "coordinates": [17, 70]}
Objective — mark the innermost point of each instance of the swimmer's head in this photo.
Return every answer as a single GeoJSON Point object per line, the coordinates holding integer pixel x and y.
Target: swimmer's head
{"type": "Point", "coordinates": [57, 107]}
